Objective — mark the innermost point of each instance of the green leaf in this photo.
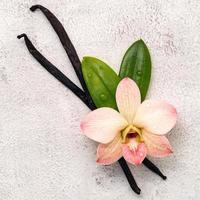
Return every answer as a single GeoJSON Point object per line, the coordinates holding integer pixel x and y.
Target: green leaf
{"type": "Point", "coordinates": [136, 64]}
{"type": "Point", "coordinates": [101, 82]}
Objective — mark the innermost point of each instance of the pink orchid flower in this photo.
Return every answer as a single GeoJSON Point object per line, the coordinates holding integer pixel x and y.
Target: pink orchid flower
{"type": "Point", "coordinates": [135, 131]}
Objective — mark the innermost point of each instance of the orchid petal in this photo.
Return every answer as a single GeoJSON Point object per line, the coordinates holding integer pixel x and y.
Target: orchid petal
{"type": "Point", "coordinates": [128, 98]}
{"type": "Point", "coordinates": [109, 153]}
{"type": "Point", "coordinates": [103, 124]}
{"type": "Point", "coordinates": [154, 116]}
{"type": "Point", "coordinates": [157, 146]}
{"type": "Point", "coordinates": [135, 156]}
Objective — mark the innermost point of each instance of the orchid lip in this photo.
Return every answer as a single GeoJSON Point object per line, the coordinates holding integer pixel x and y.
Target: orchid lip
{"type": "Point", "coordinates": [132, 135]}
{"type": "Point", "coordinates": [130, 132]}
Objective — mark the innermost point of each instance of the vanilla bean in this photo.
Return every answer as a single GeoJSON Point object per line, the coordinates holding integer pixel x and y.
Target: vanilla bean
{"type": "Point", "coordinates": [129, 176]}
{"type": "Point", "coordinates": [153, 168]}
{"type": "Point", "coordinates": [53, 70]}
{"type": "Point", "coordinates": [77, 91]}
{"type": "Point", "coordinates": [65, 40]}
{"type": "Point", "coordinates": [67, 45]}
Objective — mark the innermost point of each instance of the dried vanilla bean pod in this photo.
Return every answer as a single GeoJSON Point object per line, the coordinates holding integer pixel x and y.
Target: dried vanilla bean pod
{"type": "Point", "coordinates": [53, 70]}
{"type": "Point", "coordinates": [76, 90]}
{"type": "Point", "coordinates": [153, 168]}
{"type": "Point", "coordinates": [66, 43]}
{"type": "Point", "coordinates": [68, 46]}
{"type": "Point", "coordinates": [129, 176]}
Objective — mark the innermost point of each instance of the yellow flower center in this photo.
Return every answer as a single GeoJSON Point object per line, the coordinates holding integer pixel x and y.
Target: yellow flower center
{"type": "Point", "coordinates": [131, 132]}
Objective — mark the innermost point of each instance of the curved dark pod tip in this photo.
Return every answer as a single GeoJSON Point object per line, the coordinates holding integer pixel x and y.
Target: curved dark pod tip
{"type": "Point", "coordinates": [52, 69]}
{"type": "Point", "coordinates": [129, 176]}
{"type": "Point", "coordinates": [78, 92]}
{"type": "Point", "coordinates": [153, 168]}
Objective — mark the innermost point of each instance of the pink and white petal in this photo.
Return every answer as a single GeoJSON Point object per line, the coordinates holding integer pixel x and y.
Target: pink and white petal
{"type": "Point", "coordinates": [128, 98]}
{"type": "Point", "coordinates": [155, 116]}
{"type": "Point", "coordinates": [109, 153]}
{"type": "Point", "coordinates": [135, 156]}
{"type": "Point", "coordinates": [157, 146]}
{"type": "Point", "coordinates": [103, 124]}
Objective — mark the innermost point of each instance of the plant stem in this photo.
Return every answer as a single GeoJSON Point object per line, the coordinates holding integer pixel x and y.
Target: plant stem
{"type": "Point", "coordinates": [77, 91]}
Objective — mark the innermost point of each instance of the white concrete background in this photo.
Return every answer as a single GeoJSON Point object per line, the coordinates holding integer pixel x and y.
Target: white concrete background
{"type": "Point", "coordinates": [43, 156]}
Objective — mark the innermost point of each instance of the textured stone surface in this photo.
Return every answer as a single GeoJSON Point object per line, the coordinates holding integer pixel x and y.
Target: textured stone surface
{"type": "Point", "coordinates": [43, 156]}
